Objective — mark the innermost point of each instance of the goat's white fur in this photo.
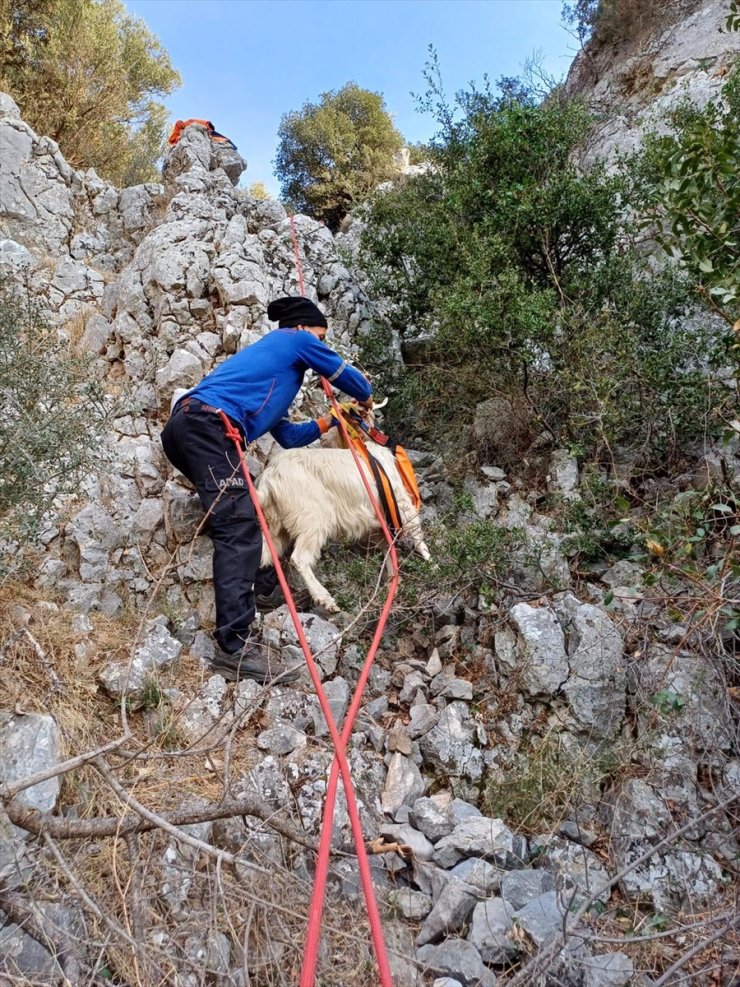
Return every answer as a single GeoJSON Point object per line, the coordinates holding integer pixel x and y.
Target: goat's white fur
{"type": "Point", "coordinates": [312, 496]}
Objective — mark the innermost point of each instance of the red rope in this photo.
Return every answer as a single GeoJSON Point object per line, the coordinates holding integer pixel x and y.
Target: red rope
{"type": "Point", "coordinates": [339, 765]}
{"type": "Point", "coordinates": [299, 266]}
{"type": "Point", "coordinates": [310, 954]}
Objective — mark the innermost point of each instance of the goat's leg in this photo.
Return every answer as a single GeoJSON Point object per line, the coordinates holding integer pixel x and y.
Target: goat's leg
{"type": "Point", "coordinates": [305, 555]}
{"type": "Point", "coordinates": [412, 530]}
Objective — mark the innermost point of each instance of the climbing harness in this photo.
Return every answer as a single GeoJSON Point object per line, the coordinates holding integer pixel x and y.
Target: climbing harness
{"type": "Point", "coordinates": [355, 428]}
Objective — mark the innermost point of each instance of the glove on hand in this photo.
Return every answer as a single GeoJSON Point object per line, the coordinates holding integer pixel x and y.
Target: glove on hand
{"type": "Point", "coordinates": [326, 422]}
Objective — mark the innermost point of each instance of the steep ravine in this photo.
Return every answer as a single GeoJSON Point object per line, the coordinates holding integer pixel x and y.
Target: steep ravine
{"type": "Point", "coordinates": [567, 754]}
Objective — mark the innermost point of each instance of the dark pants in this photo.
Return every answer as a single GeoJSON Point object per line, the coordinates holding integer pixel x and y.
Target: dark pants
{"type": "Point", "coordinates": [195, 442]}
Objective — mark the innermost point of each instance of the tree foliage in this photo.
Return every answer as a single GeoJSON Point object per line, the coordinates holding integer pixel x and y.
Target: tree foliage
{"type": "Point", "coordinates": [333, 153]}
{"type": "Point", "coordinates": [89, 75]}
{"type": "Point", "coordinates": [692, 195]}
{"type": "Point", "coordinates": [52, 424]}
{"type": "Point", "coordinates": [520, 272]}
{"type": "Point", "coordinates": [611, 22]}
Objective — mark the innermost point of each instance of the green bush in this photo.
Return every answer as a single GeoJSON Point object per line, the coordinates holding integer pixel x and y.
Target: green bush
{"type": "Point", "coordinates": [521, 272]}
{"type": "Point", "coordinates": [51, 427]}
{"type": "Point", "coordinates": [691, 195]}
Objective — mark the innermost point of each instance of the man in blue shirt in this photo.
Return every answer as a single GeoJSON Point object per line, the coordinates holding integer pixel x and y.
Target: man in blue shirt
{"type": "Point", "coordinates": [254, 388]}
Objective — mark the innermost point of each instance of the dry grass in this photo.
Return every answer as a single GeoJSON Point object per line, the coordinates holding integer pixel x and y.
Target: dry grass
{"type": "Point", "coordinates": [260, 906]}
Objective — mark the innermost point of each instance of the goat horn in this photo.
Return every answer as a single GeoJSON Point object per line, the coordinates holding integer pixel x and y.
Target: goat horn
{"type": "Point", "coordinates": [377, 405]}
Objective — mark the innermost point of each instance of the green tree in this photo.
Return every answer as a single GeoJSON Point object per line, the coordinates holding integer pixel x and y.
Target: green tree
{"type": "Point", "coordinates": [89, 75]}
{"type": "Point", "coordinates": [333, 153]}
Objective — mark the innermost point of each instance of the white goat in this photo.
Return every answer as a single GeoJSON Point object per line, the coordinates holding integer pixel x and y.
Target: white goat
{"type": "Point", "coordinates": [312, 496]}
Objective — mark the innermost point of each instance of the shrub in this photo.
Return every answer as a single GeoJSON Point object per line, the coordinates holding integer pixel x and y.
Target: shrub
{"type": "Point", "coordinates": [611, 22]}
{"type": "Point", "coordinates": [520, 272]}
{"type": "Point", "coordinates": [51, 428]}
{"type": "Point", "coordinates": [691, 195]}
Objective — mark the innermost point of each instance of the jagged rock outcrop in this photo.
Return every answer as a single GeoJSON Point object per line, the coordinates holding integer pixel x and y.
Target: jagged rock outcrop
{"type": "Point", "coordinates": [631, 85]}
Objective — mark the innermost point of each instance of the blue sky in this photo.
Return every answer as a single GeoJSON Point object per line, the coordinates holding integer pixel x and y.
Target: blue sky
{"type": "Point", "coordinates": [246, 62]}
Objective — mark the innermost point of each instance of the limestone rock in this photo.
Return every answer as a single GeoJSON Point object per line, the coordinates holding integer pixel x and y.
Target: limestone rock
{"type": "Point", "coordinates": [490, 931]}
{"type": "Point", "coordinates": [543, 660]}
{"type": "Point", "coordinates": [403, 786]}
{"type": "Point", "coordinates": [449, 745]}
{"type": "Point", "coordinates": [29, 743]}
{"type": "Point", "coordinates": [458, 959]}
{"type": "Point", "coordinates": [480, 836]}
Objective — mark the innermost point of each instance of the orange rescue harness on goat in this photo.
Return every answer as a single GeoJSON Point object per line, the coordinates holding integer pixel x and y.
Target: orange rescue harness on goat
{"type": "Point", "coordinates": [355, 427]}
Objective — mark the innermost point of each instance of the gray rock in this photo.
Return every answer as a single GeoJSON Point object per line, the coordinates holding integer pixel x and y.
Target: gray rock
{"type": "Point", "coordinates": [577, 872]}
{"type": "Point", "coordinates": [412, 683]}
{"type": "Point", "coordinates": [608, 970]}
{"type": "Point", "coordinates": [182, 370]}
{"type": "Point", "coordinates": [433, 820]}
{"type": "Point", "coordinates": [203, 717]}
{"type": "Point", "coordinates": [623, 573]}
{"type": "Point", "coordinates": [482, 837]}
{"type": "Point", "coordinates": [423, 718]}
{"type": "Point", "coordinates": [449, 745]}
{"type": "Point", "coordinates": [490, 931]}
{"type": "Point", "coordinates": [520, 886]}
{"type": "Point", "coordinates": [413, 905]}
{"type": "Point", "coordinates": [562, 477]}
{"type": "Point", "coordinates": [670, 878]}
{"type": "Point", "coordinates": [483, 497]}
{"type": "Point", "coordinates": [446, 982]}
{"type": "Point", "coordinates": [400, 942]}
{"type": "Point", "coordinates": [446, 684]}
{"type": "Point", "coordinates": [404, 833]}
{"type": "Point", "coordinates": [463, 810]}
{"type": "Point", "coordinates": [481, 875]}
{"type": "Point", "coordinates": [324, 638]}
{"type": "Point", "coordinates": [25, 960]}
{"type": "Point", "coordinates": [159, 650]}
{"type": "Point", "coordinates": [281, 739]}
{"type": "Point", "coordinates": [458, 959]}
{"type": "Point", "coordinates": [541, 918]}
{"type": "Point", "coordinates": [403, 785]}
{"type": "Point", "coordinates": [543, 662]}
{"type": "Point", "coordinates": [597, 684]}
{"type": "Point", "coordinates": [337, 693]}
{"type": "Point", "coordinates": [29, 743]}
{"type": "Point", "coordinates": [702, 721]}
{"type": "Point", "coordinates": [450, 912]}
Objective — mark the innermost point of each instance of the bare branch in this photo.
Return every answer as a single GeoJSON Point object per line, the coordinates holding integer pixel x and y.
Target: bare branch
{"type": "Point", "coordinates": [143, 821]}
{"type": "Point", "coordinates": [10, 791]}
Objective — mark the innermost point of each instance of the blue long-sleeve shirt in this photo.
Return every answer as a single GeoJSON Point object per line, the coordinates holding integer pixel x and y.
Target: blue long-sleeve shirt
{"type": "Point", "coordinates": [256, 386]}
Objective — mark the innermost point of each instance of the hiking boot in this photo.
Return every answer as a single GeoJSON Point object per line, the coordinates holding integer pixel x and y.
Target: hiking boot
{"type": "Point", "coordinates": [271, 601]}
{"type": "Point", "coordinates": [250, 663]}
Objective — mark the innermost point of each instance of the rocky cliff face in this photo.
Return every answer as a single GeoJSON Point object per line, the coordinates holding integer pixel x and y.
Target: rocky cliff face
{"type": "Point", "coordinates": [159, 282]}
{"type": "Point", "coordinates": [632, 85]}
{"type": "Point", "coordinates": [182, 852]}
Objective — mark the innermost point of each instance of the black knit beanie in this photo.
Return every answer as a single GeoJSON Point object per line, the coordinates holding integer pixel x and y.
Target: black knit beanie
{"type": "Point", "coordinates": [295, 311]}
